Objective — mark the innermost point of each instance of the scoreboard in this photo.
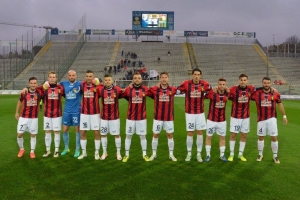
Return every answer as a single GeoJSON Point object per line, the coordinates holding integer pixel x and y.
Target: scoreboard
{"type": "Point", "coordinates": [152, 20]}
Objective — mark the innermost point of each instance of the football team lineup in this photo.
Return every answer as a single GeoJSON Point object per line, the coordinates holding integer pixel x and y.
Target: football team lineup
{"type": "Point", "coordinates": [82, 111]}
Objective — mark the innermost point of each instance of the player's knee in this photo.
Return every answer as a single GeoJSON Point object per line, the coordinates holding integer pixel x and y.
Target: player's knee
{"type": "Point", "coordinates": [155, 135]}
{"type": "Point", "coordinates": [128, 137]}
{"type": "Point", "coordinates": [142, 137]}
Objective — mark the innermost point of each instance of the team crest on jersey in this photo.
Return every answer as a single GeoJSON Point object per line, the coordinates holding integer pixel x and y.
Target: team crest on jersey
{"type": "Point", "coordinates": [195, 94]}
{"type": "Point", "coordinates": [266, 103]}
{"type": "Point", "coordinates": [94, 89]}
{"type": "Point", "coordinates": [137, 99]}
{"type": "Point", "coordinates": [88, 94]}
{"type": "Point", "coordinates": [115, 95]}
{"type": "Point", "coordinates": [220, 104]}
{"type": "Point", "coordinates": [52, 95]}
{"type": "Point", "coordinates": [243, 99]}
{"type": "Point", "coordinates": [143, 94]}
{"type": "Point", "coordinates": [108, 100]}
{"type": "Point", "coordinates": [74, 90]}
{"type": "Point", "coordinates": [164, 97]}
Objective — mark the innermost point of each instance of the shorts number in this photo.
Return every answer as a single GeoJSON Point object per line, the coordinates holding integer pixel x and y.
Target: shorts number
{"type": "Point", "coordinates": [158, 127]}
{"type": "Point", "coordinates": [85, 125]}
{"type": "Point", "coordinates": [103, 129]}
{"type": "Point", "coordinates": [191, 125]}
{"type": "Point", "coordinates": [130, 129]}
{"type": "Point", "coordinates": [260, 131]}
{"type": "Point", "coordinates": [21, 127]}
{"type": "Point", "coordinates": [47, 125]}
{"type": "Point", "coordinates": [75, 119]}
{"type": "Point", "coordinates": [210, 130]}
{"type": "Point", "coordinates": [237, 128]}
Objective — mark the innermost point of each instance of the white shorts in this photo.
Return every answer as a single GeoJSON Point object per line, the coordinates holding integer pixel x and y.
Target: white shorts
{"type": "Point", "coordinates": [168, 126]}
{"type": "Point", "coordinates": [239, 125]}
{"type": "Point", "coordinates": [216, 127]}
{"type": "Point", "coordinates": [110, 126]}
{"type": "Point", "coordinates": [136, 126]}
{"type": "Point", "coordinates": [52, 123]}
{"type": "Point", "coordinates": [89, 122]}
{"type": "Point", "coordinates": [268, 126]}
{"type": "Point", "coordinates": [195, 121]}
{"type": "Point", "coordinates": [27, 124]}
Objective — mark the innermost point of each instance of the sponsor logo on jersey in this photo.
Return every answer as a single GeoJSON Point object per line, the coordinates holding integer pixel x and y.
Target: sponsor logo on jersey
{"type": "Point", "coordinates": [220, 104]}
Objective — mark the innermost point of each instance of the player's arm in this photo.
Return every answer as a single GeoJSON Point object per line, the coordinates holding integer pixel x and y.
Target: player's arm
{"type": "Point", "coordinates": [281, 108]}
{"type": "Point", "coordinates": [17, 115]}
{"type": "Point", "coordinates": [151, 92]}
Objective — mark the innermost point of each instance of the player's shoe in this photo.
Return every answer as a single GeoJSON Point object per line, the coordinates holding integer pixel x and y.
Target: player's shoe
{"type": "Point", "coordinates": [276, 160]}
{"type": "Point", "coordinates": [56, 154]}
{"type": "Point", "coordinates": [119, 157]}
{"type": "Point", "coordinates": [152, 157]}
{"type": "Point", "coordinates": [125, 158]}
{"type": "Point", "coordinates": [83, 155]}
{"type": "Point", "coordinates": [199, 158]}
{"type": "Point", "coordinates": [146, 158]}
{"type": "Point", "coordinates": [230, 158]}
{"type": "Point", "coordinates": [32, 155]}
{"type": "Point", "coordinates": [207, 159]}
{"type": "Point", "coordinates": [46, 154]}
{"type": "Point", "coordinates": [172, 157]}
{"type": "Point", "coordinates": [76, 154]}
{"type": "Point", "coordinates": [224, 159]}
{"type": "Point", "coordinates": [188, 158]}
{"type": "Point", "coordinates": [103, 156]}
{"type": "Point", "coordinates": [65, 151]}
{"type": "Point", "coordinates": [259, 158]}
{"type": "Point", "coordinates": [97, 157]}
{"type": "Point", "coordinates": [242, 158]}
{"type": "Point", "coordinates": [21, 153]}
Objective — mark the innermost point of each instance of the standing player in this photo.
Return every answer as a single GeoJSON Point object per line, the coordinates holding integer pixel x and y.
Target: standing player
{"type": "Point", "coordinates": [240, 112]}
{"type": "Point", "coordinates": [52, 94]}
{"type": "Point", "coordinates": [71, 115]}
{"type": "Point", "coordinates": [194, 110]}
{"type": "Point", "coordinates": [163, 96]}
{"type": "Point", "coordinates": [266, 100]}
{"type": "Point", "coordinates": [28, 118]}
{"type": "Point", "coordinates": [110, 117]}
{"type": "Point", "coordinates": [136, 121]}
{"type": "Point", "coordinates": [216, 120]}
{"type": "Point", "coordinates": [90, 113]}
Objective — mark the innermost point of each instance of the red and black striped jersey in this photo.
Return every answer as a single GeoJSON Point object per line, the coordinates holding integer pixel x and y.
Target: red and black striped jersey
{"type": "Point", "coordinates": [194, 95]}
{"type": "Point", "coordinates": [163, 102]}
{"type": "Point", "coordinates": [136, 97]}
{"type": "Point", "coordinates": [30, 104]}
{"type": "Point", "coordinates": [110, 102]}
{"type": "Point", "coordinates": [90, 98]}
{"type": "Point", "coordinates": [217, 106]}
{"type": "Point", "coordinates": [240, 98]}
{"type": "Point", "coordinates": [266, 104]}
{"type": "Point", "coordinates": [52, 100]}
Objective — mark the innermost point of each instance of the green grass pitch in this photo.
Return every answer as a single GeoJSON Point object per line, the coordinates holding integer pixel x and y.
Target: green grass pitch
{"type": "Point", "coordinates": [69, 178]}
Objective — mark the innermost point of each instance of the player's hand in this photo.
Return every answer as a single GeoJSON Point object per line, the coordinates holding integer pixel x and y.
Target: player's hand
{"type": "Point", "coordinates": [96, 81]}
{"type": "Point", "coordinates": [215, 89]}
{"type": "Point", "coordinates": [274, 90]}
{"type": "Point", "coordinates": [46, 85]}
{"type": "Point", "coordinates": [17, 116]}
{"type": "Point", "coordinates": [158, 85]}
{"type": "Point", "coordinates": [24, 91]}
{"type": "Point", "coordinates": [285, 121]}
{"type": "Point", "coordinates": [130, 85]}
{"type": "Point", "coordinates": [227, 90]}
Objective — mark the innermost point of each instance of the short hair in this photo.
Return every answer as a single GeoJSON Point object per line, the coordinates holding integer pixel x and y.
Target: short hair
{"type": "Point", "coordinates": [222, 79]}
{"type": "Point", "coordinates": [197, 70]}
{"type": "Point", "coordinates": [266, 78]}
{"type": "Point", "coordinates": [164, 73]}
{"type": "Point", "coordinates": [51, 72]}
{"type": "Point", "coordinates": [107, 75]}
{"type": "Point", "coordinates": [243, 75]}
{"type": "Point", "coordinates": [136, 73]}
{"type": "Point", "coordinates": [89, 71]}
{"type": "Point", "coordinates": [32, 78]}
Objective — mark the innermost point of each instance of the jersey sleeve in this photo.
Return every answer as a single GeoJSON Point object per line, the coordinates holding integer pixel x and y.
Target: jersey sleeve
{"type": "Point", "coordinates": [182, 87]}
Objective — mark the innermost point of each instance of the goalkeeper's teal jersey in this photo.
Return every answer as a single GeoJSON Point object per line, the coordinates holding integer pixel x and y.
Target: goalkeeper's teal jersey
{"type": "Point", "coordinates": [73, 95]}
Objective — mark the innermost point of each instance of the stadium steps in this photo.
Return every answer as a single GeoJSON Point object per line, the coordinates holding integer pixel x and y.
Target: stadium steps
{"type": "Point", "coordinates": [114, 54]}
{"type": "Point", "coordinates": [192, 56]}
{"type": "Point", "coordinates": [37, 58]}
{"type": "Point", "coordinates": [187, 58]}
